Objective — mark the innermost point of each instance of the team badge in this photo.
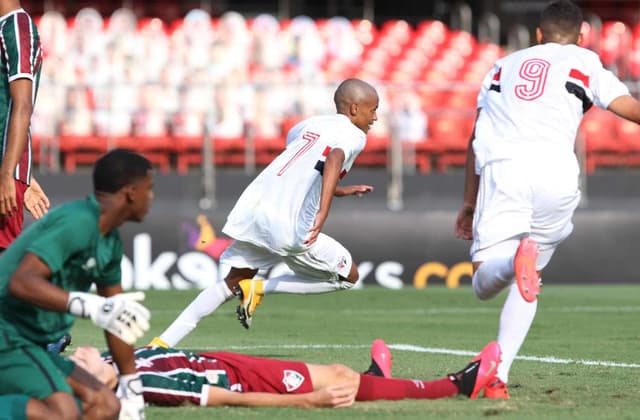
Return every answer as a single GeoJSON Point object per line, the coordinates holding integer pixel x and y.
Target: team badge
{"type": "Point", "coordinates": [292, 380]}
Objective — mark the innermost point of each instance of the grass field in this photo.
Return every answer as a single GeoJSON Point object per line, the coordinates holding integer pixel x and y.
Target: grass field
{"type": "Point", "coordinates": [580, 360]}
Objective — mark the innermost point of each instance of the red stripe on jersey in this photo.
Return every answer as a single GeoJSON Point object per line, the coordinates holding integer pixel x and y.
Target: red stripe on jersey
{"type": "Point", "coordinates": [326, 151]}
{"type": "Point", "coordinates": [496, 77]}
{"type": "Point", "coordinates": [577, 74]}
{"type": "Point", "coordinates": [343, 173]}
{"type": "Point", "coordinates": [24, 33]}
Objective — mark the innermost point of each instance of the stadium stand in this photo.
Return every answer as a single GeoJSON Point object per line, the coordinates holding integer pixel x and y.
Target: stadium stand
{"type": "Point", "coordinates": [151, 85]}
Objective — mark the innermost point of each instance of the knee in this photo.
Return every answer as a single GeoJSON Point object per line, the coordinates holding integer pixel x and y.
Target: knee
{"type": "Point", "coordinates": [353, 274]}
{"type": "Point", "coordinates": [345, 375]}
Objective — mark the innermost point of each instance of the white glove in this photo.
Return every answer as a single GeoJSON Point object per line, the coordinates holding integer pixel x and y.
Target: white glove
{"type": "Point", "coordinates": [131, 400]}
{"type": "Point", "coordinates": [119, 314]}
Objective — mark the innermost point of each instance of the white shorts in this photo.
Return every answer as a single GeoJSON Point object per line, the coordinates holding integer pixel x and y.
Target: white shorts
{"type": "Point", "coordinates": [524, 197]}
{"type": "Point", "coordinates": [325, 260]}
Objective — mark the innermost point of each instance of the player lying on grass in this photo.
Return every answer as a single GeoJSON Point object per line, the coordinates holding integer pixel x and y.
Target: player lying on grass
{"type": "Point", "coordinates": [172, 377]}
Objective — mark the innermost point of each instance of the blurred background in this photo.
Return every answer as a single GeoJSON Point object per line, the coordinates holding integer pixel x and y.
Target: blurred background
{"type": "Point", "coordinates": [208, 89]}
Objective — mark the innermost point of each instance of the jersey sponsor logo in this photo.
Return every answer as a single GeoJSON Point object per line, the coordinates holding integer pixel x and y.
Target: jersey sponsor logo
{"type": "Point", "coordinates": [292, 380]}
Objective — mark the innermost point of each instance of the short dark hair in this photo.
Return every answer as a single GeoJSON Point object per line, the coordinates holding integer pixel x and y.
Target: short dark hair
{"type": "Point", "coordinates": [562, 18]}
{"type": "Point", "coordinates": [117, 168]}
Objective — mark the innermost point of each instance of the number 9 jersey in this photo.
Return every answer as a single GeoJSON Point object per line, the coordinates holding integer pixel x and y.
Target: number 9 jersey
{"type": "Point", "coordinates": [532, 101]}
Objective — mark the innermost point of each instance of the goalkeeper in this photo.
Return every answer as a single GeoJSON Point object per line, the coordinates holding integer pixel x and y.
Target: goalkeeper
{"type": "Point", "coordinates": [45, 276]}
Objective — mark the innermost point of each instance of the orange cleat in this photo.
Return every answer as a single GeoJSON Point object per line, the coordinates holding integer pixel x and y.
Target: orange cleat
{"type": "Point", "coordinates": [525, 268]}
{"type": "Point", "coordinates": [496, 389]}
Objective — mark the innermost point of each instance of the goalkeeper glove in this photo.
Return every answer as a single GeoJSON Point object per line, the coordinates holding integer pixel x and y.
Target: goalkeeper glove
{"type": "Point", "coordinates": [119, 314]}
{"type": "Point", "coordinates": [131, 400]}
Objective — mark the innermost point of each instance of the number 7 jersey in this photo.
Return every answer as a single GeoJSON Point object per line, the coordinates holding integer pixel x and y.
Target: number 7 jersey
{"type": "Point", "coordinates": [532, 101]}
{"type": "Point", "coordinates": [279, 207]}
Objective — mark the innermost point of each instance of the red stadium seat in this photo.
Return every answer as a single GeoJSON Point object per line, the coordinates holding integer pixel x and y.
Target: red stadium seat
{"type": "Point", "coordinates": [376, 151]}
{"type": "Point", "coordinates": [628, 134]}
{"type": "Point", "coordinates": [450, 132]}
{"type": "Point", "coordinates": [601, 146]}
{"type": "Point", "coordinates": [83, 150]}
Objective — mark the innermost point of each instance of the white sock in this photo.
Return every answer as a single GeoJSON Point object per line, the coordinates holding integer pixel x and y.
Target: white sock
{"type": "Point", "coordinates": [492, 276]}
{"type": "Point", "coordinates": [206, 302]}
{"type": "Point", "coordinates": [515, 321]}
{"type": "Point", "coordinates": [293, 283]}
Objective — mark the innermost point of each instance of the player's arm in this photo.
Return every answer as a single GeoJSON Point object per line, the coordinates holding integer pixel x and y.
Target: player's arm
{"type": "Point", "coordinates": [335, 396]}
{"type": "Point", "coordinates": [358, 190]}
{"type": "Point", "coordinates": [627, 107]}
{"type": "Point", "coordinates": [330, 177]}
{"type": "Point", "coordinates": [464, 228]}
{"type": "Point", "coordinates": [30, 283]}
{"type": "Point", "coordinates": [17, 134]}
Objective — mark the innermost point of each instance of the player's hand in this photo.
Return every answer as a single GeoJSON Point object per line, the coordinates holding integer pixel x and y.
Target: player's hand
{"type": "Point", "coordinates": [119, 314]}
{"type": "Point", "coordinates": [464, 223]}
{"type": "Point", "coordinates": [35, 200]}
{"type": "Point", "coordinates": [333, 396]}
{"type": "Point", "coordinates": [357, 190]}
{"type": "Point", "coordinates": [131, 399]}
{"type": "Point", "coordinates": [8, 203]}
{"type": "Point", "coordinates": [314, 231]}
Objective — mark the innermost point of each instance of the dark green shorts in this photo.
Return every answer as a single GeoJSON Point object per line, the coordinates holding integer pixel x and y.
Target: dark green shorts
{"type": "Point", "coordinates": [33, 371]}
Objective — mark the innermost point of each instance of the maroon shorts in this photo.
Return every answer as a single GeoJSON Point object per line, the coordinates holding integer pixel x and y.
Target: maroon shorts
{"type": "Point", "coordinates": [11, 227]}
{"type": "Point", "coordinates": [257, 374]}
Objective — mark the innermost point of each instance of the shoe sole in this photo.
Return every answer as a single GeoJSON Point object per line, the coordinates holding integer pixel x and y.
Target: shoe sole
{"type": "Point", "coordinates": [525, 268]}
{"type": "Point", "coordinates": [241, 311]}
{"type": "Point", "coordinates": [489, 359]}
{"type": "Point", "coordinates": [381, 354]}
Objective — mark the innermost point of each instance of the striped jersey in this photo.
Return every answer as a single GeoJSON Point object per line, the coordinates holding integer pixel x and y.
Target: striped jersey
{"type": "Point", "coordinates": [172, 377]}
{"type": "Point", "coordinates": [279, 207]}
{"type": "Point", "coordinates": [20, 57]}
{"type": "Point", "coordinates": [533, 100]}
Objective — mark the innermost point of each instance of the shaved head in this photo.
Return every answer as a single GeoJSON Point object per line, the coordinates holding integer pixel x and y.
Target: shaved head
{"type": "Point", "coordinates": [358, 101]}
{"type": "Point", "coordinates": [352, 91]}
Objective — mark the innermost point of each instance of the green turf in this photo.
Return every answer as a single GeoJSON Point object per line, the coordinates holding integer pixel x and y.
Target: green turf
{"type": "Point", "coordinates": [594, 323]}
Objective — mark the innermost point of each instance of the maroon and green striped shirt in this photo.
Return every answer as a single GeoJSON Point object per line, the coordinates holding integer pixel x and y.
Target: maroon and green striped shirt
{"type": "Point", "coordinates": [20, 57]}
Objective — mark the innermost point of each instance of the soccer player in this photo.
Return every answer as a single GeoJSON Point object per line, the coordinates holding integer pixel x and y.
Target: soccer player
{"type": "Point", "coordinates": [280, 215]}
{"type": "Point", "coordinates": [45, 276]}
{"type": "Point", "coordinates": [521, 185]}
{"type": "Point", "coordinates": [172, 377]}
{"type": "Point", "coordinates": [20, 64]}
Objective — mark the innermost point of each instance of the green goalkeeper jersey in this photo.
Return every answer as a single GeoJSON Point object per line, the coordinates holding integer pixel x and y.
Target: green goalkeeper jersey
{"type": "Point", "coordinates": [69, 242]}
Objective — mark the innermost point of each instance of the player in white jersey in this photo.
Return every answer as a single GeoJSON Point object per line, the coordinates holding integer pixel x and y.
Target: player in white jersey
{"type": "Point", "coordinates": [280, 215]}
{"type": "Point", "coordinates": [521, 185]}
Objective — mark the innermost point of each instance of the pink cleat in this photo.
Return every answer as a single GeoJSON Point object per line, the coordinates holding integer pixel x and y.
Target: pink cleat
{"type": "Point", "coordinates": [525, 268]}
{"type": "Point", "coordinates": [477, 374]}
{"type": "Point", "coordinates": [380, 359]}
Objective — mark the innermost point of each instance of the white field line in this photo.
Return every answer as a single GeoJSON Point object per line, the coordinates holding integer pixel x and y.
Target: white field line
{"type": "Point", "coordinates": [420, 349]}
{"type": "Point", "coordinates": [466, 310]}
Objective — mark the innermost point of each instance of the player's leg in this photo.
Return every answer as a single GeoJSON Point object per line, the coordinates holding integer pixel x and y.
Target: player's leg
{"type": "Point", "coordinates": [31, 370]}
{"type": "Point", "coordinates": [245, 260]}
{"type": "Point", "coordinates": [326, 267]}
{"type": "Point", "coordinates": [468, 381]}
{"type": "Point", "coordinates": [555, 199]}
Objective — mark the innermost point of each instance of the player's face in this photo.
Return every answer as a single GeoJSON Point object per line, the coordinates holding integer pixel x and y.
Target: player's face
{"type": "Point", "coordinates": [142, 192]}
{"type": "Point", "coordinates": [366, 113]}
